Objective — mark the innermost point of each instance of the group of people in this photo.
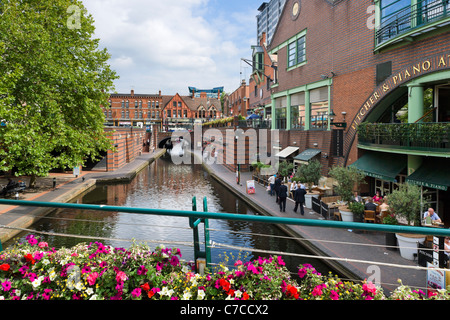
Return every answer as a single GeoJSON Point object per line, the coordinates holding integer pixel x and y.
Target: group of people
{"type": "Point", "coordinates": [379, 201]}
{"type": "Point", "coordinates": [280, 190]}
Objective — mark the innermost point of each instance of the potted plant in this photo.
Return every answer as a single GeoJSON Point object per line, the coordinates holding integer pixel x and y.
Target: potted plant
{"type": "Point", "coordinates": [347, 178]}
{"type": "Point", "coordinates": [391, 239]}
{"type": "Point", "coordinates": [310, 173]}
{"type": "Point", "coordinates": [407, 202]}
{"type": "Point", "coordinates": [357, 208]}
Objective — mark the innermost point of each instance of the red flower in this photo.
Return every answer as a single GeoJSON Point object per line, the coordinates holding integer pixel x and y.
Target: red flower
{"type": "Point", "coordinates": [245, 296]}
{"type": "Point", "coordinates": [225, 284]}
{"type": "Point", "coordinates": [4, 267]}
{"type": "Point", "coordinates": [145, 286]}
{"type": "Point", "coordinates": [29, 258]}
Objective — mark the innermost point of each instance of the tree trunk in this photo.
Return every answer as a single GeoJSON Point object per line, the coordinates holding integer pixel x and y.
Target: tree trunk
{"type": "Point", "coordinates": [32, 181]}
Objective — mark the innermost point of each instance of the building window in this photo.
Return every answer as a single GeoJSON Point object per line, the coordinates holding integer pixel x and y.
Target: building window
{"type": "Point", "coordinates": [174, 104]}
{"type": "Point", "coordinates": [319, 108]}
{"type": "Point", "coordinates": [298, 111]}
{"type": "Point", "coordinates": [169, 113]}
{"type": "Point", "coordinates": [296, 52]}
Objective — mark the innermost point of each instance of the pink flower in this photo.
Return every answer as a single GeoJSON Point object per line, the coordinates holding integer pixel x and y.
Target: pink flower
{"type": "Point", "coordinates": [136, 293]}
{"type": "Point", "coordinates": [42, 244]}
{"type": "Point", "coordinates": [369, 288]}
{"type": "Point", "coordinates": [121, 276]}
{"type": "Point", "coordinates": [280, 261]}
{"type": "Point", "coordinates": [91, 278]}
{"type": "Point", "coordinates": [334, 295]}
{"type": "Point", "coordinates": [317, 291]}
{"type": "Point", "coordinates": [6, 285]}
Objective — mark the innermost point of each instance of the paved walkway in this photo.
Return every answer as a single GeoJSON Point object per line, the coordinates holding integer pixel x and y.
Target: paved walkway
{"type": "Point", "coordinates": [359, 245]}
{"type": "Point", "coordinates": [340, 243]}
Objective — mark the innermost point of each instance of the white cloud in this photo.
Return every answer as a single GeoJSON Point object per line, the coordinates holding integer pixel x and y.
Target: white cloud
{"type": "Point", "coordinates": [170, 45]}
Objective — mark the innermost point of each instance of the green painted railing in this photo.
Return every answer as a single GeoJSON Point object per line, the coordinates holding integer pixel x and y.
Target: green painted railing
{"type": "Point", "coordinates": [197, 217]}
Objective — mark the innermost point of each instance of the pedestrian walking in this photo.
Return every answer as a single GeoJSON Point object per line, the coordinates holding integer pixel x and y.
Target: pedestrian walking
{"type": "Point", "coordinates": [282, 194]}
{"type": "Point", "coordinates": [272, 184]}
{"type": "Point", "coordinates": [277, 186]}
{"type": "Point", "coordinates": [299, 198]}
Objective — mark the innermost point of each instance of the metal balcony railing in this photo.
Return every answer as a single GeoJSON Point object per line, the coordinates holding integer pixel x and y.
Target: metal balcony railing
{"type": "Point", "coordinates": [429, 136]}
{"type": "Point", "coordinates": [411, 17]}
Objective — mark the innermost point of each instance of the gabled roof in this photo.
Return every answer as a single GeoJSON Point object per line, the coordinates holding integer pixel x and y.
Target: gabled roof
{"type": "Point", "coordinates": [194, 103]}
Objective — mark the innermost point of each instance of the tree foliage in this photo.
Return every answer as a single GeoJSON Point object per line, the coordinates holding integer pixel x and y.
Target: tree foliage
{"type": "Point", "coordinates": [348, 179]}
{"type": "Point", "coordinates": [58, 79]}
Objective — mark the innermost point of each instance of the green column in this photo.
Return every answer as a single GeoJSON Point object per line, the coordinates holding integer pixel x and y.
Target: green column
{"type": "Point", "coordinates": [288, 112]}
{"type": "Point", "coordinates": [307, 110]}
{"type": "Point", "coordinates": [274, 122]}
{"type": "Point", "coordinates": [415, 112]}
{"type": "Point", "coordinates": [415, 103]}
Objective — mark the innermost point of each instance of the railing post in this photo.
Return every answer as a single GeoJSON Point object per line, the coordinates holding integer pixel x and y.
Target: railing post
{"type": "Point", "coordinates": [193, 223]}
{"type": "Point", "coordinates": [207, 238]}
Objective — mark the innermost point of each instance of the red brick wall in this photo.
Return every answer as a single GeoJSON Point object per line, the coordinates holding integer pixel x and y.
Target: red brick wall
{"type": "Point", "coordinates": [338, 40]}
{"type": "Point", "coordinates": [129, 144]}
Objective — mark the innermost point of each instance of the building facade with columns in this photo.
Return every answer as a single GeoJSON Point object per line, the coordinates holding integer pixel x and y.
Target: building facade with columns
{"type": "Point", "coordinates": [373, 77]}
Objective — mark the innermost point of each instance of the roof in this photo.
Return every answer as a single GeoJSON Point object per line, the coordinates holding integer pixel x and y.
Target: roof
{"type": "Point", "coordinates": [286, 152]}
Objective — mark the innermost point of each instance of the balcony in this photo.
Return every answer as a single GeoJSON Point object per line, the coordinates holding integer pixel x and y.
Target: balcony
{"type": "Point", "coordinates": [409, 21]}
{"type": "Point", "coordinates": [410, 138]}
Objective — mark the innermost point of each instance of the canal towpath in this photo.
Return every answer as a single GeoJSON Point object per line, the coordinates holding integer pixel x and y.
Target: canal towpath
{"type": "Point", "coordinates": [346, 245]}
{"type": "Point", "coordinates": [353, 253]}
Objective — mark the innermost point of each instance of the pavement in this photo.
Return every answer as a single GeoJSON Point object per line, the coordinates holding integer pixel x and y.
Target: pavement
{"type": "Point", "coordinates": [355, 250]}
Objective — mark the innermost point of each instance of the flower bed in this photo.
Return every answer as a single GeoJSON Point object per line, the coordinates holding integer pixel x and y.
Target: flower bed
{"type": "Point", "coordinates": [34, 271]}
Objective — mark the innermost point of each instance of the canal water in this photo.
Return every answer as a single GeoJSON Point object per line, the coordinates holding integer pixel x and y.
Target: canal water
{"type": "Point", "coordinates": [165, 185]}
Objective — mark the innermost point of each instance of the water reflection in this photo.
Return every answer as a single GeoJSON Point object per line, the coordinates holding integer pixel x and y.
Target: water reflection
{"type": "Point", "coordinates": [164, 185]}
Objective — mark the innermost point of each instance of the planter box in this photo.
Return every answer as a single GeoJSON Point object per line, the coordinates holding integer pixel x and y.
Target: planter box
{"type": "Point", "coordinates": [408, 244]}
{"type": "Point", "coordinates": [308, 199]}
{"type": "Point", "coordinates": [346, 214]}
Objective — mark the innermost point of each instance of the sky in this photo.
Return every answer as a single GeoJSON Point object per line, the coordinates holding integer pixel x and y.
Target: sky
{"type": "Point", "coordinates": [173, 44]}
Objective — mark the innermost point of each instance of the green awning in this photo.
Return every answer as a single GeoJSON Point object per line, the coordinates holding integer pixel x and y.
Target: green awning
{"type": "Point", "coordinates": [381, 165]}
{"type": "Point", "coordinates": [308, 154]}
{"type": "Point", "coordinates": [433, 173]}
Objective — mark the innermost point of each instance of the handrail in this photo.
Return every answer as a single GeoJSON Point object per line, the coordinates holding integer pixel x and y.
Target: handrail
{"type": "Point", "coordinates": [232, 216]}
{"type": "Point", "coordinates": [426, 114]}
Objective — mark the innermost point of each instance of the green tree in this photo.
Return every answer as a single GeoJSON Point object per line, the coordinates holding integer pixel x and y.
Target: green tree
{"type": "Point", "coordinates": [53, 114]}
{"type": "Point", "coordinates": [407, 202]}
{"type": "Point", "coordinates": [310, 173]}
{"type": "Point", "coordinates": [348, 179]}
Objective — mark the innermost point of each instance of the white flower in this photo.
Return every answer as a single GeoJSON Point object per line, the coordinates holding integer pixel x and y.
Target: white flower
{"type": "Point", "coordinates": [94, 297]}
{"type": "Point", "coordinates": [89, 291]}
{"type": "Point", "coordinates": [166, 292]}
{"type": "Point", "coordinates": [2, 298]}
{"type": "Point", "coordinates": [200, 294]}
{"type": "Point", "coordinates": [185, 269]}
{"type": "Point", "coordinates": [45, 261]}
{"type": "Point", "coordinates": [238, 293]}
{"type": "Point", "coordinates": [187, 295]}
{"type": "Point", "coordinates": [79, 286]}
{"type": "Point", "coordinates": [37, 282]}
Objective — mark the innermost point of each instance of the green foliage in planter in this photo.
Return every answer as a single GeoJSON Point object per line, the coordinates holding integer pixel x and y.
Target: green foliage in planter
{"type": "Point", "coordinates": [347, 178]}
{"type": "Point", "coordinates": [357, 208]}
{"type": "Point", "coordinates": [407, 202]}
{"type": "Point", "coordinates": [310, 173]}
{"type": "Point", "coordinates": [390, 219]}
{"type": "Point", "coordinates": [285, 168]}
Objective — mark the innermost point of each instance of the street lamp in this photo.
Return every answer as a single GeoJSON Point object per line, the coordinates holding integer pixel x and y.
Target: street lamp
{"type": "Point", "coordinates": [338, 124]}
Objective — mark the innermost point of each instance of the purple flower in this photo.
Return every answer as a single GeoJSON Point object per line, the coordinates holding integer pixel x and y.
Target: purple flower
{"type": "Point", "coordinates": [6, 285]}
{"type": "Point", "coordinates": [142, 270]}
{"type": "Point", "coordinates": [136, 293]}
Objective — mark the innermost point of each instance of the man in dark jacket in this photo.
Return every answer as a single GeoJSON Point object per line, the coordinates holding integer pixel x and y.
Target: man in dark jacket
{"type": "Point", "coordinates": [299, 198]}
{"type": "Point", "coordinates": [370, 205]}
{"type": "Point", "coordinates": [282, 194]}
{"type": "Point", "coordinates": [277, 186]}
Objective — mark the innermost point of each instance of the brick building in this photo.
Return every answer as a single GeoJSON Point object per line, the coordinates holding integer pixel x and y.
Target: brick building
{"type": "Point", "coordinates": [343, 63]}
{"type": "Point", "coordinates": [131, 109]}
{"type": "Point", "coordinates": [183, 111]}
{"type": "Point", "coordinates": [261, 80]}
{"type": "Point", "coordinates": [238, 100]}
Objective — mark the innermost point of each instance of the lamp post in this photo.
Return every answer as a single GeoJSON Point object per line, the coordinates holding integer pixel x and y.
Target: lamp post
{"type": "Point", "coordinates": [342, 124]}
{"type": "Point", "coordinates": [238, 171]}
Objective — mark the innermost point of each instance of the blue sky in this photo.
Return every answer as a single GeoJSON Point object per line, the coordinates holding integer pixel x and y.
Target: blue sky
{"type": "Point", "coordinates": [172, 44]}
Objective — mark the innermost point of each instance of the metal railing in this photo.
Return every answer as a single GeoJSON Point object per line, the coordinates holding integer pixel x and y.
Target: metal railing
{"type": "Point", "coordinates": [411, 17]}
{"type": "Point", "coordinates": [427, 136]}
